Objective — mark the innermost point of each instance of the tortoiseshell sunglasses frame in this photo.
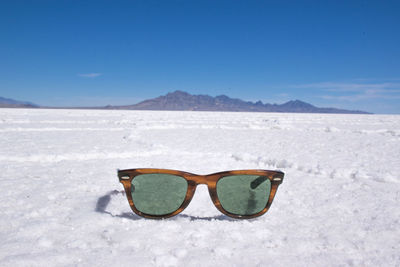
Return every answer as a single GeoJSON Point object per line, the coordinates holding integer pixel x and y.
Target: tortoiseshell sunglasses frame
{"type": "Point", "coordinates": [126, 177]}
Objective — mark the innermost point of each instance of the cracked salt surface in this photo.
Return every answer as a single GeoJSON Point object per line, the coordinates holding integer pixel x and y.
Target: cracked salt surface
{"type": "Point", "coordinates": [61, 203]}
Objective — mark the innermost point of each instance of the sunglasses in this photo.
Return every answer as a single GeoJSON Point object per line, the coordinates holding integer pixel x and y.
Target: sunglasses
{"type": "Point", "coordinates": [161, 193]}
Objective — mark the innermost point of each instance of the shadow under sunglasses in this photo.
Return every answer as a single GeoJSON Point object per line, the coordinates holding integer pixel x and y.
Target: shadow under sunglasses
{"type": "Point", "coordinates": [103, 202]}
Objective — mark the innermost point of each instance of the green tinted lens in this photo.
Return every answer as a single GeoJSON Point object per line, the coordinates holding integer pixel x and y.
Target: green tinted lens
{"type": "Point", "coordinates": [243, 194]}
{"type": "Point", "coordinates": [158, 193]}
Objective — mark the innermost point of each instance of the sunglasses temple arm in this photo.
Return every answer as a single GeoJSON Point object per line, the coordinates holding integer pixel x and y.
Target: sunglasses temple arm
{"type": "Point", "coordinates": [259, 180]}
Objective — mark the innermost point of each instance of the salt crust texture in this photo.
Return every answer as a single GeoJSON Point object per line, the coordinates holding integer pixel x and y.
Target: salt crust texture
{"type": "Point", "coordinates": [61, 203]}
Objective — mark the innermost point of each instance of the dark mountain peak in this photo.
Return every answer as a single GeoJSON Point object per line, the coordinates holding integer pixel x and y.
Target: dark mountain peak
{"type": "Point", "coordinates": [178, 93]}
{"type": "Point", "coordinates": [297, 104]}
{"type": "Point", "coordinates": [222, 97]}
{"type": "Point", "coordinates": [184, 98]}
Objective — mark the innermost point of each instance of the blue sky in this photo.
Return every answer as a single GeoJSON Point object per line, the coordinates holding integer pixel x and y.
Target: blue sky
{"type": "Point", "coordinates": [343, 54]}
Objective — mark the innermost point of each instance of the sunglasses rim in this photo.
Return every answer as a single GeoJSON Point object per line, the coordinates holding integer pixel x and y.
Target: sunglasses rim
{"type": "Point", "coordinates": [127, 175]}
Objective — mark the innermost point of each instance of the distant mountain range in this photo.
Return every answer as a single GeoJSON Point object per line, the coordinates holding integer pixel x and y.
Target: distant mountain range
{"type": "Point", "coordinates": [180, 100]}
{"type": "Point", "coordinates": [11, 103]}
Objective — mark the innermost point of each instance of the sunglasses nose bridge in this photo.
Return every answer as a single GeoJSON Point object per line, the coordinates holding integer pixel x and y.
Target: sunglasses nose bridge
{"type": "Point", "coordinates": [198, 179]}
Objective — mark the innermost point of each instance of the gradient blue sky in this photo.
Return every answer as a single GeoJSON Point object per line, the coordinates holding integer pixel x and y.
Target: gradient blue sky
{"type": "Point", "coordinates": [344, 54]}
